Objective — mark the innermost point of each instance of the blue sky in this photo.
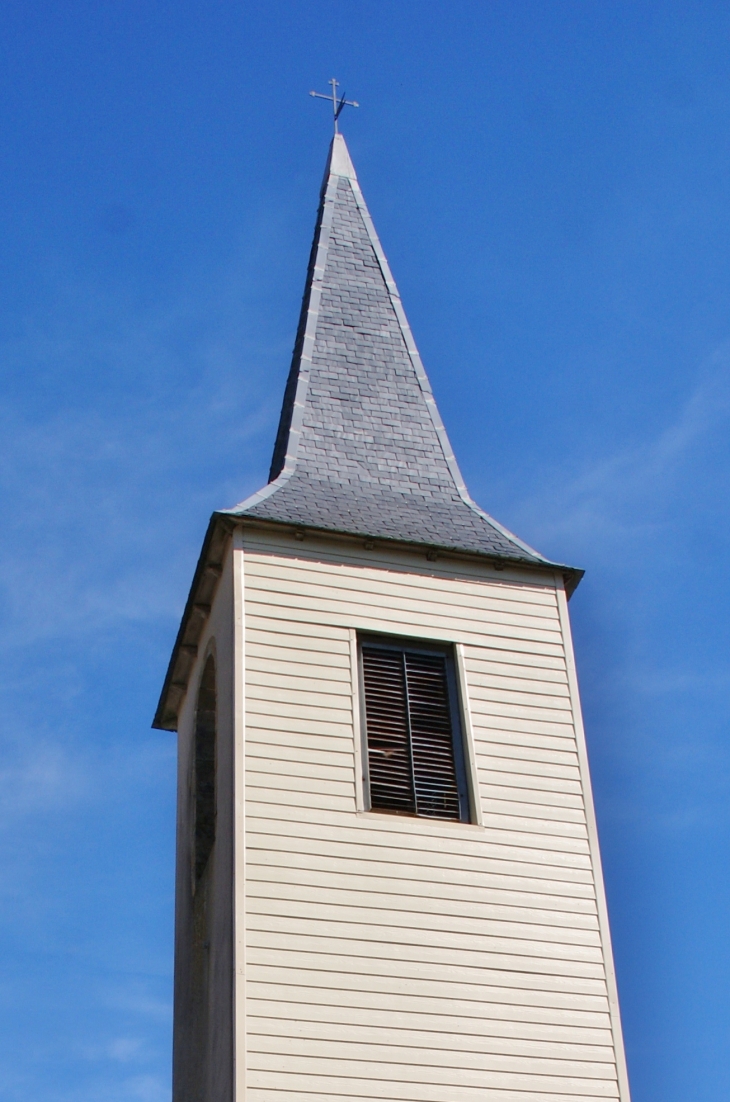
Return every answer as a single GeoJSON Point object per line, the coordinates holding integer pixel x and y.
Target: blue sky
{"type": "Point", "coordinates": [551, 183]}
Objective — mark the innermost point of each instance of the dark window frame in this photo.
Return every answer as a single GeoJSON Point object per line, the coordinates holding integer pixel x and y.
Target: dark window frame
{"type": "Point", "coordinates": [464, 783]}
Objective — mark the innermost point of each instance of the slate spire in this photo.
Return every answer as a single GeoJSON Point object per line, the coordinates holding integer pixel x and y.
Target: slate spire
{"type": "Point", "coordinates": [361, 447]}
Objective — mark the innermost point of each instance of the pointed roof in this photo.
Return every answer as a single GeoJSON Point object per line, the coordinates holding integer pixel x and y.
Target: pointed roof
{"type": "Point", "coordinates": [361, 447]}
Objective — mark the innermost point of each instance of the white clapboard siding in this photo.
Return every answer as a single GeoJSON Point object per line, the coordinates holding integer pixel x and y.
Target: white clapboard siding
{"type": "Point", "coordinates": [385, 926]}
{"type": "Point", "coordinates": [496, 721]}
{"type": "Point", "coordinates": [305, 822]}
{"type": "Point", "coordinates": [408, 959]}
{"type": "Point", "coordinates": [384, 958]}
{"type": "Point", "coordinates": [333, 773]}
{"type": "Point", "coordinates": [516, 774]}
{"type": "Point", "coordinates": [426, 981]}
{"type": "Point", "coordinates": [415, 1082]}
{"type": "Point", "coordinates": [450, 1030]}
{"type": "Point", "coordinates": [348, 577]}
{"type": "Point", "coordinates": [387, 942]}
{"type": "Point", "coordinates": [558, 739]}
{"type": "Point", "coordinates": [302, 822]}
{"type": "Point", "coordinates": [320, 756]}
{"type": "Point", "coordinates": [350, 890]}
{"type": "Point", "coordinates": [519, 679]}
{"type": "Point", "coordinates": [423, 623]}
{"type": "Point", "coordinates": [281, 1025]}
{"type": "Point", "coordinates": [544, 810]}
{"type": "Point", "coordinates": [494, 789]}
{"type": "Point", "coordinates": [564, 756]}
{"type": "Point", "coordinates": [290, 868]}
{"type": "Point", "coordinates": [388, 1053]}
{"type": "Point", "coordinates": [271, 838]}
{"type": "Point", "coordinates": [385, 962]}
{"type": "Point", "coordinates": [351, 997]}
{"type": "Point", "coordinates": [259, 1090]}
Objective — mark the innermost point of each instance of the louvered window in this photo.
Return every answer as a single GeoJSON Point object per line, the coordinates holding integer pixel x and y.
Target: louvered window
{"type": "Point", "coordinates": [415, 757]}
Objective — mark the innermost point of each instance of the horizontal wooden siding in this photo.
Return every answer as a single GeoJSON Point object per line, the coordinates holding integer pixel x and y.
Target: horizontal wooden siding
{"type": "Point", "coordinates": [396, 958]}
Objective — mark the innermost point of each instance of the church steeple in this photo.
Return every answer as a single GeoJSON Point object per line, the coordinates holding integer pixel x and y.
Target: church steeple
{"type": "Point", "coordinates": [388, 879]}
{"type": "Point", "coordinates": [361, 447]}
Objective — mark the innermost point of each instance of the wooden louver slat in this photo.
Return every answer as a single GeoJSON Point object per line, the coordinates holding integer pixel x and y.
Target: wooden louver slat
{"type": "Point", "coordinates": [410, 737]}
{"type": "Point", "coordinates": [389, 752]}
{"type": "Point", "coordinates": [432, 738]}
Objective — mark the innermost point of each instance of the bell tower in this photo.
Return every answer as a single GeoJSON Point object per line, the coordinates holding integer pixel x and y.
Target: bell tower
{"type": "Point", "coordinates": [388, 875]}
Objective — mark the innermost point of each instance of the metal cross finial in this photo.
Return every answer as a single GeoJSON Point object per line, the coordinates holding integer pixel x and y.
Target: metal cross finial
{"type": "Point", "coordinates": [337, 103]}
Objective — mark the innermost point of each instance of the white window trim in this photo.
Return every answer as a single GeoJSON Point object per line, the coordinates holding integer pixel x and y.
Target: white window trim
{"type": "Point", "coordinates": [472, 776]}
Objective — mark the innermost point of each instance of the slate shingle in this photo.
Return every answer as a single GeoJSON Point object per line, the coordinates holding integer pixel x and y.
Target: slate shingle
{"type": "Point", "coordinates": [360, 447]}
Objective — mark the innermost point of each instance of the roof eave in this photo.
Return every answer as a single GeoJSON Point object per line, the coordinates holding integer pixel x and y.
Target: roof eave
{"type": "Point", "coordinates": [571, 574]}
{"type": "Point", "coordinates": [210, 565]}
{"type": "Point", "coordinates": [194, 618]}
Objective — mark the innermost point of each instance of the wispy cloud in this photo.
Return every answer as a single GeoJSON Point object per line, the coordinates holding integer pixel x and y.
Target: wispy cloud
{"type": "Point", "coordinates": [46, 778]}
{"type": "Point", "coordinates": [137, 999]}
{"type": "Point", "coordinates": [141, 420]}
{"type": "Point", "coordinates": [145, 1088]}
{"type": "Point", "coordinates": [122, 1050]}
{"type": "Point", "coordinates": [650, 521]}
{"type": "Point", "coordinates": [639, 491]}
{"type": "Point", "coordinates": [110, 1088]}
{"type": "Point", "coordinates": [671, 681]}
